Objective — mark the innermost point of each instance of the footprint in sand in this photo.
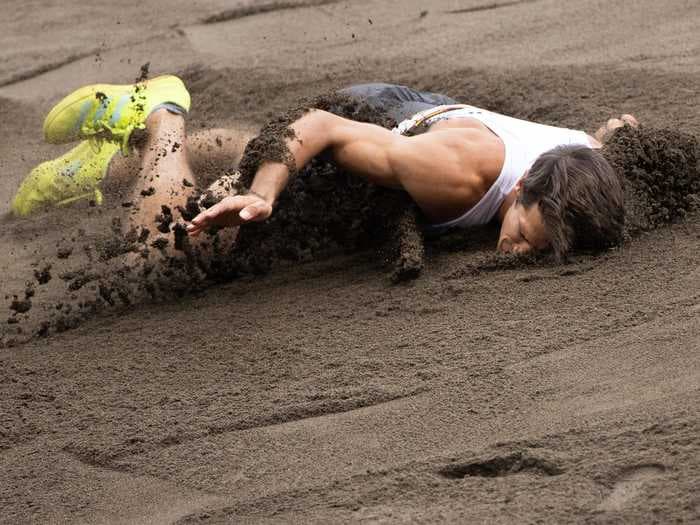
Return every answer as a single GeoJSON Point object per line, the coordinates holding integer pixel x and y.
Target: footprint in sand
{"type": "Point", "coordinates": [502, 465]}
{"type": "Point", "coordinates": [629, 485]}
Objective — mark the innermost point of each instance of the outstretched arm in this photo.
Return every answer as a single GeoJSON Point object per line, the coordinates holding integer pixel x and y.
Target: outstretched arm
{"type": "Point", "coordinates": [435, 168]}
{"type": "Point", "coordinates": [360, 147]}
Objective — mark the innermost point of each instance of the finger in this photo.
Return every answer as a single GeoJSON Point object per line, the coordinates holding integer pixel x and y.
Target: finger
{"type": "Point", "coordinates": [630, 119]}
{"type": "Point", "coordinates": [201, 218]}
{"type": "Point", "coordinates": [248, 213]}
{"type": "Point", "coordinates": [209, 215]}
{"type": "Point", "coordinates": [193, 230]}
{"type": "Point", "coordinates": [251, 212]}
{"type": "Point", "coordinates": [200, 223]}
{"type": "Point", "coordinates": [197, 220]}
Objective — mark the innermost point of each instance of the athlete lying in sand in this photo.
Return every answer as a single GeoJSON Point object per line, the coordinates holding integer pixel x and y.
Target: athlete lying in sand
{"type": "Point", "coordinates": [462, 165]}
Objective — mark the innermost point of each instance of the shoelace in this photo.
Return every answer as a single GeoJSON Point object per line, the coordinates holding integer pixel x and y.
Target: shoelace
{"type": "Point", "coordinates": [102, 131]}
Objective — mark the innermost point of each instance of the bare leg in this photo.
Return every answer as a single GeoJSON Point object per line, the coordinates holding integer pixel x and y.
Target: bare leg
{"type": "Point", "coordinates": [165, 177]}
{"type": "Point", "coordinates": [158, 179]}
{"type": "Point", "coordinates": [210, 153]}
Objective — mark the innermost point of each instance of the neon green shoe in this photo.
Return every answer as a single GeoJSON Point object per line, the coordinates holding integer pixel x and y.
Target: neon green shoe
{"type": "Point", "coordinates": [69, 178]}
{"type": "Point", "coordinates": [111, 112]}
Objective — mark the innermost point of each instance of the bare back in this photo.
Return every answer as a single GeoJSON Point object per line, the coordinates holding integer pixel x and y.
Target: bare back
{"type": "Point", "coordinates": [455, 165]}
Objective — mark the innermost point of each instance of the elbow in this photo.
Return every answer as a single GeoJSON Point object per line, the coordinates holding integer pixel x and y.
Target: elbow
{"type": "Point", "coordinates": [316, 126]}
{"type": "Point", "coordinates": [320, 119]}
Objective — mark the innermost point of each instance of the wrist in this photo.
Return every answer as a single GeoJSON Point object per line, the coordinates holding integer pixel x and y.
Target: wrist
{"type": "Point", "coordinates": [269, 182]}
{"type": "Point", "coordinates": [268, 199]}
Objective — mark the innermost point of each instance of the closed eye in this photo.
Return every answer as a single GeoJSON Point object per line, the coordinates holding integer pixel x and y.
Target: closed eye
{"type": "Point", "coordinates": [521, 231]}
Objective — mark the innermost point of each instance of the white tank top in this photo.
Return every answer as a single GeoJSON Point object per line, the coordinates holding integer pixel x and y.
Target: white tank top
{"type": "Point", "coordinates": [524, 142]}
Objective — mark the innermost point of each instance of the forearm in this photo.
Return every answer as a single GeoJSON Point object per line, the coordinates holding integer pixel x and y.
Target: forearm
{"type": "Point", "coordinates": [313, 133]}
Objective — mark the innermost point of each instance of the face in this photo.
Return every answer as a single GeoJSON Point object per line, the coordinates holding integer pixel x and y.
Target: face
{"type": "Point", "coordinates": [522, 229]}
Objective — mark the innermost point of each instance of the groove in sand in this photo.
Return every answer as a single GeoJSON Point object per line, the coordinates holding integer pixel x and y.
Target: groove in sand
{"type": "Point", "coordinates": [488, 7]}
{"type": "Point", "coordinates": [97, 458]}
{"type": "Point", "coordinates": [45, 68]}
{"type": "Point", "coordinates": [243, 12]}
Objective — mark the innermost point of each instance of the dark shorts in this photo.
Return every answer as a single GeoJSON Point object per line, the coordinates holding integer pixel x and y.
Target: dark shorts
{"type": "Point", "coordinates": [400, 102]}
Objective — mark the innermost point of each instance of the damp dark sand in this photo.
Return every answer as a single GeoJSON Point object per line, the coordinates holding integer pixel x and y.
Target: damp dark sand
{"type": "Point", "coordinates": [481, 391]}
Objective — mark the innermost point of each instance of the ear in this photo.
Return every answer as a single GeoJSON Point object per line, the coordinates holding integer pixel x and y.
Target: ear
{"type": "Point", "coordinates": [519, 186]}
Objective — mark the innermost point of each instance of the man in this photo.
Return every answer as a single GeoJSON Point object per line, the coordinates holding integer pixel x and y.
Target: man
{"type": "Point", "coordinates": [463, 166]}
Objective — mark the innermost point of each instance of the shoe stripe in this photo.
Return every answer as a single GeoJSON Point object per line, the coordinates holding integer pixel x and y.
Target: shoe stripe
{"type": "Point", "coordinates": [116, 115]}
{"type": "Point", "coordinates": [84, 109]}
{"type": "Point", "coordinates": [72, 169]}
{"type": "Point", "coordinates": [101, 110]}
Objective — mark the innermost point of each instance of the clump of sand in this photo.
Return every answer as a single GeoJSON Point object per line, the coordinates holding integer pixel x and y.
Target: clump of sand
{"type": "Point", "coordinates": [325, 209]}
{"type": "Point", "coordinates": [661, 174]}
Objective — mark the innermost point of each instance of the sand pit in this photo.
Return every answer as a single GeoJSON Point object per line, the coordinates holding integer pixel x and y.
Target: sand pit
{"type": "Point", "coordinates": [311, 388]}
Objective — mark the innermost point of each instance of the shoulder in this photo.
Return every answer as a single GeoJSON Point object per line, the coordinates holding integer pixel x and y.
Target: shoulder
{"type": "Point", "coordinates": [439, 147]}
{"type": "Point", "coordinates": [456, 157]}
{"type": "Point", "coordinates": [458, 139]}
{"type": "Point", "coordinates": [477, 147]}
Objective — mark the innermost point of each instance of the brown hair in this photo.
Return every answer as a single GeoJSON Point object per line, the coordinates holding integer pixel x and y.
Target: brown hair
{"type": "Point", "coordinates": [580, 197]}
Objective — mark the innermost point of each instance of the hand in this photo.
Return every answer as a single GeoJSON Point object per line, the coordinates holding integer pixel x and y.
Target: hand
{"type": "Point", "coordinates": [231, 211]}
{"type": "Point", "coordinates": [630, 119]}
{"type": "Point", "coordinates": [613, 124]}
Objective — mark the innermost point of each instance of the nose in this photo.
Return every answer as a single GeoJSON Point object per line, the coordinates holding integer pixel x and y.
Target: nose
{"type": "Point", "coordinates": [522, 248]}
{"type": "Point", "coordinates": [507, 245]}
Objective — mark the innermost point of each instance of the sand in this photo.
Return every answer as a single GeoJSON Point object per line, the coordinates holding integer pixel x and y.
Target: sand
{"type": "Point", "coordinates": [482, 391]}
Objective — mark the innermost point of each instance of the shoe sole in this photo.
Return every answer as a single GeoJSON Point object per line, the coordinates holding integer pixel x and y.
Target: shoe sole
{"type": "Point", "coordinates": [88, 92]}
